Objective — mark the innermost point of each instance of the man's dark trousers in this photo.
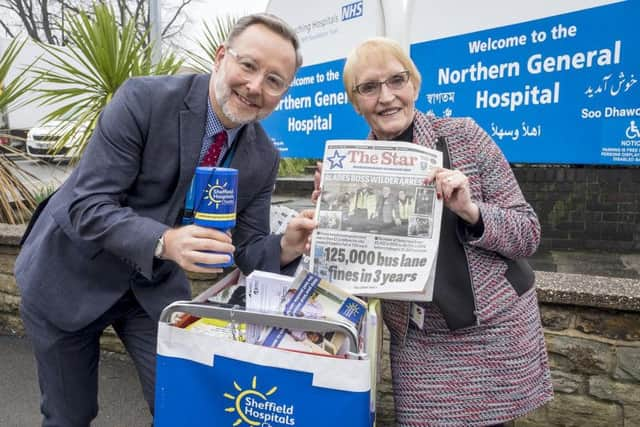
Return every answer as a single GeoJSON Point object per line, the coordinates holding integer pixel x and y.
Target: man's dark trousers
{"type": "Point", "coordinates": [68, 361]}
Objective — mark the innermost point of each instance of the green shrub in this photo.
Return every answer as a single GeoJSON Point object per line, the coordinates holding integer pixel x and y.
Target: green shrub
{"type": "Point", "coordinates": [296, 167]}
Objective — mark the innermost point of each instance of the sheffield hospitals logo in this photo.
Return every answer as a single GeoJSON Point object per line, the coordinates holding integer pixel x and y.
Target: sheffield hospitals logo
{"type": "Point", "coordinates": [254, 408]}
{"type": "Point", "coordinates": [217, 193]}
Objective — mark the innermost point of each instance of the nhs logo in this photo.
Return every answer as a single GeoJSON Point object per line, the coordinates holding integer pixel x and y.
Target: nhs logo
{"type": "Point", "coordinates": [352, 10]}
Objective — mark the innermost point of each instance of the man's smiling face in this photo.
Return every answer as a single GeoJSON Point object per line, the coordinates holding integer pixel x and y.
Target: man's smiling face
{"type": "Point", "coordinates": [238, 100]}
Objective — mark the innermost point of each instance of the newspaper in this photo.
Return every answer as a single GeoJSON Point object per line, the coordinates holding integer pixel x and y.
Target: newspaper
{"type": "Point", "coordinates": [379, 225]}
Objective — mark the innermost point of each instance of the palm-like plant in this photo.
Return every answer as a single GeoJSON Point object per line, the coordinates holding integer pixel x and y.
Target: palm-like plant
{"type": "Point", "coordinates": [11, 91]}
{"type": "Point", "coordinates": [202, 61]}
{"type": "Point", "coordinates": [16, 200]}
{"type": "Point", "coordinates": [81, 78]}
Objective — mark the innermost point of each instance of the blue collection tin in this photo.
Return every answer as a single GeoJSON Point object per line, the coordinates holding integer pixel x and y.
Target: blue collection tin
{"type": "Point", "coordinates": [215, 200]}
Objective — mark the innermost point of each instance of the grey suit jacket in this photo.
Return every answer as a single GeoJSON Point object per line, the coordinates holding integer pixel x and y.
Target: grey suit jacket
{"type": "Point", "coordinates": [95, 238]}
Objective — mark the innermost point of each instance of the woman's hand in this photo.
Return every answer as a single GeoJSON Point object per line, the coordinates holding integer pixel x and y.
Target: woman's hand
{"type": "Point", "coordinates": [316, 183]}
{"type": "Point", "coordinates": [452, 186]}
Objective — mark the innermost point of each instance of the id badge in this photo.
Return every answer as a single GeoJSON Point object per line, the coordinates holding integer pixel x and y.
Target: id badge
{"type": "Point", "coordinates": [417, 315]}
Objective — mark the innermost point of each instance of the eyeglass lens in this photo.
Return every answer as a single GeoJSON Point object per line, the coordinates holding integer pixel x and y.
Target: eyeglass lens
{"type": "Point", "coordinates": [395, 82]}
{"type": "Point", "coordinates": [272, 83]}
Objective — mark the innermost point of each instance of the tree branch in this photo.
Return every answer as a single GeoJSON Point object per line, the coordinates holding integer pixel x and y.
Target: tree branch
{"type": "Point", "coordinates": [175, 16]}
{"type": "Point", "coordinates": [6, 28]}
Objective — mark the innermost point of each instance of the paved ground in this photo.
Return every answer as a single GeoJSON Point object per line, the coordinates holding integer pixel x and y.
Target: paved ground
{"type": "Point", "coordinates": [120, 396]}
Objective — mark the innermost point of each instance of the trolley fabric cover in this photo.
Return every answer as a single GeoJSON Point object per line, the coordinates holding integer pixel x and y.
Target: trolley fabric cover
{"type": "Point", "coordinates": [202, 380]}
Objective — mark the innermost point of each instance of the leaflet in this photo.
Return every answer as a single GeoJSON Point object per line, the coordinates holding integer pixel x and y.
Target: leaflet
{"type": "Point", "coordinates": [218, 328]}
{"type": "Point", "coordinates": [379, 225]}
{"type": "Point", "coordinates": [312, 297]}
{"type": "Point", "coordinates": [265, 293]}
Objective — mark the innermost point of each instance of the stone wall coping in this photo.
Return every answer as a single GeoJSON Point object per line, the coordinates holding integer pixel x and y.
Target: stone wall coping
{"type": "Point", "coordinates": [588, 291]}
{"type": "Point", "coordinates": [10, 235]}
{"type": "Point", "coordinates": [552, 287]}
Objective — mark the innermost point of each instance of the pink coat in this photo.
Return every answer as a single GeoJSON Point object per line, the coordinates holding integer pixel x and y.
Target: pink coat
{"type": "Point", "coordinates": [497, 370]}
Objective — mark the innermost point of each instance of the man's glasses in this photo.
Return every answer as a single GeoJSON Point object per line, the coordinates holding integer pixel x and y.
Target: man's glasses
{"type": "Point", "coordinates": [371, 89]}
{"type": "Point", "coordinates": [272, 83]}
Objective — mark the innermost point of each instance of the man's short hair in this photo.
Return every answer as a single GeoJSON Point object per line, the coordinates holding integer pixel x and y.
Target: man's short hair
{"type": "Point", "coordinates": [272, 22]}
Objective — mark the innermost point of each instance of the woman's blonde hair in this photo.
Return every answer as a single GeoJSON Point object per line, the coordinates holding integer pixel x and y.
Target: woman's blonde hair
{"type": "Point", "coordinates": [376, 47]}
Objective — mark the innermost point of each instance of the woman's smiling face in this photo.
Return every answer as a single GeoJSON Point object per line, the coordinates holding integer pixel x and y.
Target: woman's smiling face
{"type": "Point", "coordinates": [390, 112]}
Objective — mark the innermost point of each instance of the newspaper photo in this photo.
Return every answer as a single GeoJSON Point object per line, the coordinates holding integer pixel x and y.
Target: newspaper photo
{"type": "Point", "coordinates": [378, 224]}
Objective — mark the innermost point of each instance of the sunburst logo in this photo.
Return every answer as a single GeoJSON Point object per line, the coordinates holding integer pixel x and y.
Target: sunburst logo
{"type": "Point", "coordinates": [252, 405]}
{"type": "Point", "coordinates": [212, 189]}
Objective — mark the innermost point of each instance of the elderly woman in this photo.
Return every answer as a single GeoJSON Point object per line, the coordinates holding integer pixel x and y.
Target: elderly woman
{"type": "Point", "coordinates": [477, 357]}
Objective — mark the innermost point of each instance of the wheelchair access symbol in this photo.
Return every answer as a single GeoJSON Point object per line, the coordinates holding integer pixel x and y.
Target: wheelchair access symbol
{"type": "Point", "coordinates": [632, 131]}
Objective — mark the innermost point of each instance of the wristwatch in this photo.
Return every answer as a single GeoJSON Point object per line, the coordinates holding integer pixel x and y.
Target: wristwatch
{"type": "Point", "coordinates": [159, 247]}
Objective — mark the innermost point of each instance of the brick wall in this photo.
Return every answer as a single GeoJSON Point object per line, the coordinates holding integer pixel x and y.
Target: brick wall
{"type": "Point", "coordinates": [584, 207]}
{"type": "Point", "coordinates": [579, 207]}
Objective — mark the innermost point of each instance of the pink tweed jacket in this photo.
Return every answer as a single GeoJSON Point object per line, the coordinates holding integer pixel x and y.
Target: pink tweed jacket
{"type": "Point", "coordinates": [496, 369]}
{"type": "Point", "coordinates": [511, 227]}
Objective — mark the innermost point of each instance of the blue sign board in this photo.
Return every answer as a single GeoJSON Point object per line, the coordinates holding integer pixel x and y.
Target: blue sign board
{"type": "Point", "coordinates": [563, 89]}
{"type": "Point", "coordinates": [314, 109]}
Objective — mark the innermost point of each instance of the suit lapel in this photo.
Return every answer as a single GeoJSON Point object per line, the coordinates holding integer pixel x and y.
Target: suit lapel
{"type": "Point", "coordinates": [246, 150]}
{"type": "Point", "coordinates": [192, 122]}
{"type": "Point", "coordinates": [245, 141]}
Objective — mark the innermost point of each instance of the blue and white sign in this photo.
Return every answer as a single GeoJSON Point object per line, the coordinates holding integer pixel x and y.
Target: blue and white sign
{"type": "Point", "coordinates": [316, 107]}
{"type": "Point", "coordinates": [560, 88]}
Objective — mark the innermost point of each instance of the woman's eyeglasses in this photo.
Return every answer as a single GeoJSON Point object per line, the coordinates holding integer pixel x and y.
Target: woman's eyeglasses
{"type": "Point", "coordinates": [395, 82]}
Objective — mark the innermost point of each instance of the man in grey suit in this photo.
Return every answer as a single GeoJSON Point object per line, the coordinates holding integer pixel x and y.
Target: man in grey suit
{"type": "Point", "coordinates": [106, 248]}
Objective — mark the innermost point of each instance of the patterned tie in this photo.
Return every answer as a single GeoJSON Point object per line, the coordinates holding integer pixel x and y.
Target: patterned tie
{"type": "Point", "coordinates": [211, 158]}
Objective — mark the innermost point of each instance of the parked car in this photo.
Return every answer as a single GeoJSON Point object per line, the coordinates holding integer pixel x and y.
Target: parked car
{"type": "Point", "coordinates": [41, 141]}
{"type": "Point", "coordinates": [4, 126]}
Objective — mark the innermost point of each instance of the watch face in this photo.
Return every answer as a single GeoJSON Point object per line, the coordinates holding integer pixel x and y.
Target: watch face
{"type": "Point", "coordinates": [159, 247]}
